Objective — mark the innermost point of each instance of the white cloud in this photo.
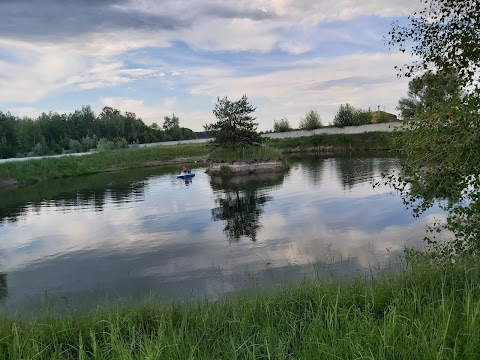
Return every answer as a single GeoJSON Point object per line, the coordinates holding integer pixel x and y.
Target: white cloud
{"type": "Point", "coordinates": [312, 85]}
{"type": "Point", "coordinates": [97, 60]}
{"type": "Point", "coordinates": [155, 113]}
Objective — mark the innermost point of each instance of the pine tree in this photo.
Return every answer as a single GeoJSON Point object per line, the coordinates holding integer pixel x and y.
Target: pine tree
{"type": "Point", "coordinates": [235, 127]}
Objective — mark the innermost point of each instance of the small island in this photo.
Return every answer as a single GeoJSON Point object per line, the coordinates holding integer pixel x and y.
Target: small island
{"type": "Point", "coordinates": [238, 146]}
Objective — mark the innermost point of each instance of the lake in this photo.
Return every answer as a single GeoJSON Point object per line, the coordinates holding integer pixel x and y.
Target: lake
{"type": "Point", "coordinates": [129, 235]}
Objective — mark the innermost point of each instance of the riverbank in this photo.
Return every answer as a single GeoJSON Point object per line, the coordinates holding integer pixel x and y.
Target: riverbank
{"type": "Point", "coordinates": [253, 160]}
{"type": "Point", "coordinates": [423, 312]}
{"type": "Point", "coordinates": [336, 143]}
{"type": "Point", "coordinates": [53, 168]}
{"type": "Point", "coordinates": [17, 173]}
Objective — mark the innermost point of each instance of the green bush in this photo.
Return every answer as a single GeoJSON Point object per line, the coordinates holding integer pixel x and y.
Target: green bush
{"type": "Point", "coordinates": [89, 142]}
{"type": "Point", "coordinates": [281, 125]}
{"type": "Point", "coordinates": [362, 117]}
{"type": "Point", "coordinates": [75, 146]}
{"type": "Point", "coordinates": [311, 121]}
{"type": "Point", "coordinates": [382, 117]}
{"type": "Point", "coordinates": [345, 116]}
{"type": "Point", "coordinates": [105, 145]}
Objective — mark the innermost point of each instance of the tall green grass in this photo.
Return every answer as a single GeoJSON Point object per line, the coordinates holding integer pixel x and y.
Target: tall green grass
{"type": "Point", "coordinates": [246, 154]}
{"type": "Point", "coordinates": [425, 312]}
{"type": "Point", "coordinates": [52, 168]}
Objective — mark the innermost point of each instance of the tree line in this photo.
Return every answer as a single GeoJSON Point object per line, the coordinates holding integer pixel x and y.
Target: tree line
{"type": "Point", "coordinates": [82, 130]}
{"type": "Point", "coordinates": [347, 115]}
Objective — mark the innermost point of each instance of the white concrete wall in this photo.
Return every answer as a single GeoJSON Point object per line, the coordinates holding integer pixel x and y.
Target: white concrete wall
{"type": "Point", "coordinates": [385, 127]}
{"type": "Point", "coordinates": [44, 157]}
{"type": "Point", "coordinates": [169, 143]}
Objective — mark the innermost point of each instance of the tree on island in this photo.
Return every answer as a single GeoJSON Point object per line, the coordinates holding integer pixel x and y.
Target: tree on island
{"type": "Point", "coordinates": [235, 127]}
{"type": "Point", "coordinates": [440, 141]}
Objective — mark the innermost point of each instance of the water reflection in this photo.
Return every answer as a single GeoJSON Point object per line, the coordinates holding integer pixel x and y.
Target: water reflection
{"type": "Point", "coordinates": [354, 169]}
{"type": "Point", "coordinates": [314, 165]}
{"type": "Point", "coordinates": [84, 192]}
{"type": "Point", "coordinates": [240, 202]}
{"type": "Point", "coordinates": [156, 233]}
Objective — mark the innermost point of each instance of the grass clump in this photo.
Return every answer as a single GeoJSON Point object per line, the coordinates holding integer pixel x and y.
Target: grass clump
{"type": "Point", "coordinates": [225, 169]}
{"type": "Point", "coordinates": [246, 154]}
{"type": "Point", "coordinates": [52, 168]}
{"type": "Point", "coordinates": [425, 312]}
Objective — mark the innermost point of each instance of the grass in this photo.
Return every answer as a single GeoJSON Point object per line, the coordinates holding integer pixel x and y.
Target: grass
{"type": "Point", "coordinates": [364, 141]}
{"type": "Point", "coordinates": [425, 312]}
{"type": "Point", "coordinates": [52, 168]}
{"type": "Point", "coordinates": [246, 154]}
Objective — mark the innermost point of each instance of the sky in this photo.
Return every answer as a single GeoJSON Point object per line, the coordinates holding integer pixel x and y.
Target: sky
{"type": "Point", "coordinates": [155, 58]}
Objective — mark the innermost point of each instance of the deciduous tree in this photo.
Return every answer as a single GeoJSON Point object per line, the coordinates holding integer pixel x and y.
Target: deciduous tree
{"type": "Point", "coordinates": [441, 142]}
{"type": "Point", "coordinates": [281, 125]}
{"type": "Point", "coordinates": [311, 121]}
{"type": "Point", "coordinates": [426, 91]}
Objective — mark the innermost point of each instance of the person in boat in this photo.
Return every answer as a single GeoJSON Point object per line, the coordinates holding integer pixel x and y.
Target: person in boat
{"type": "Point", "coordinates": [186, 169]}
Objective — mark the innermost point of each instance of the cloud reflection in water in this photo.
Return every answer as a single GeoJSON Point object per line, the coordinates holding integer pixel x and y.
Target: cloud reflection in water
{"type": "Point", "coordinates": [154, 233]}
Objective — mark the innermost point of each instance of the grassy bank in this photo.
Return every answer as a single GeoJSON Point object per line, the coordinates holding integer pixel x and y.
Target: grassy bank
{"type": "Point", "coordinates": [423, 313]}
{"type": "Point", "coordinates": [52, 168]}
{"type": "Point", "coordinates": [246, 154]}
{"type": "Point", "coordinates": [336, 142]}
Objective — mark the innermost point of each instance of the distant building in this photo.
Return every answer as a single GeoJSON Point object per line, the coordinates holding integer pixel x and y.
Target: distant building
{"type": "Point", "coordinates": [383, 116]}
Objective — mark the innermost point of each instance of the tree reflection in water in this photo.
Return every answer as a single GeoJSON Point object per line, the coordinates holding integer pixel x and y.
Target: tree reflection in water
{"type": "Point", "coordinates": [85, 191]}
{"type": "Point", "coordinates": [241, 212]}
{"type": "Point", "coordinates": [240, 202]}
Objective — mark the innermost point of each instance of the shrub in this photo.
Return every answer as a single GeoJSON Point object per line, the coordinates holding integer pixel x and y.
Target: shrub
{"type": "Point", "coordinates": [105, 144]}
{"type": "Point", "coordinates": [281, 125]}
{"type": "Point", "coordinates": [75, 146]}
{"type": "Point", "coordinates": [89, 142]}
{"type": "Point", "coordinates": [345, 116]}
{"type": "Point", "coordinates": [311, 121]}
{"type": "Point", "coordinates": [362, 117]}
{"type": "Point", "coordinates": [382, 117]}
{"type": "Point", "coordinates": [121, 143]}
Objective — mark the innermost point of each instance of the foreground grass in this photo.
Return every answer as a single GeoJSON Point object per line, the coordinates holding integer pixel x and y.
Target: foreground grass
{"type": "Point", "coordinates": [339, 142]}
{"type": "Point", "coordinates": [52, 168]}
{"type": "Point", "coordinates": [246, 154]}
{"type": "Point", "coordinates": [423, 313]}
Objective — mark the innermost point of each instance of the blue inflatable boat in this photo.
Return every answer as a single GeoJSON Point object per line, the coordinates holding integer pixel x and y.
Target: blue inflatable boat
{"type": "Point", "coordinates": [185, 176]}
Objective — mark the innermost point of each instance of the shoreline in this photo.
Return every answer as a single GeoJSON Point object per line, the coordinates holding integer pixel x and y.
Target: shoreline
{"type": "Point", "coordinates": [245, 167]}
{"type": "Point", "coordinates": [15, 174]}
{"type": "Point", "coordinates": [368, 317]}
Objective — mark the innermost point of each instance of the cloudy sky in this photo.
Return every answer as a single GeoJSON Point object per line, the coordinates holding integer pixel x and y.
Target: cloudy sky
{"type": "Point", "coordinates": [156, 57]}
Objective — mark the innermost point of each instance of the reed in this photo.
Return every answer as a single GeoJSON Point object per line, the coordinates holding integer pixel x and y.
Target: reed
{"type": "Point", "coordinates": [246, 154]}
{"type": "Point", "coordinates": [52, 168]}
{"type": "Point", "coordinates": [424, 312]}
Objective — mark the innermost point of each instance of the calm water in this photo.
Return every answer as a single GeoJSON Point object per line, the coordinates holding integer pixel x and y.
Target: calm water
{"type": "Point", "coordinates": [131, 234]}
